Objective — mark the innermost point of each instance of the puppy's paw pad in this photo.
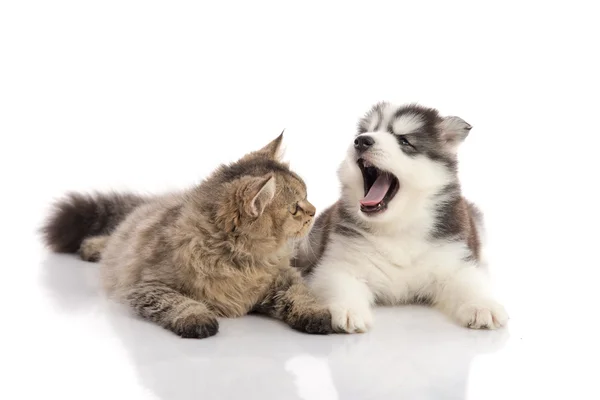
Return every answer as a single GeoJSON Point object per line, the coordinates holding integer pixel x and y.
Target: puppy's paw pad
{"type": "Point", "coordinates": [488, 315]}
{"type": "Point", "coordinates": [351, 320]}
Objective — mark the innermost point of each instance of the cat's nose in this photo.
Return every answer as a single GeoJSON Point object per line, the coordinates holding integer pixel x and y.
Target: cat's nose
{"type": "Point", "coordinates": [308, 208]}
{"type": "Point", "coordinates": [362, 143]}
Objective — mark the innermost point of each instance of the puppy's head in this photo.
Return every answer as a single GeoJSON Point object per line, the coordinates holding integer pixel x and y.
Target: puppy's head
{"type": "Point", "coordinates": [400, 151]}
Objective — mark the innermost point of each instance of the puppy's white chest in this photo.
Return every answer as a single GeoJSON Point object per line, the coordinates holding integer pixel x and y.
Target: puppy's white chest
{"type": "Point", "coordinates": [399, 252]}
{"type": "Point", "coordinates": [401, 268]}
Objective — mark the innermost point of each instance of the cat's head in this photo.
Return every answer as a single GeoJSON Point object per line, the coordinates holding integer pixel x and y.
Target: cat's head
{"type": "Point", "coordinates": [262, 198]}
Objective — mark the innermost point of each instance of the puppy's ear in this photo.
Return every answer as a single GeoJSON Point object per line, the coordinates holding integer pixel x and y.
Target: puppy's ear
{"type": "Point", "coordinates": [257, 194]}
{"type": "Point", "coordinates": [454, 131]}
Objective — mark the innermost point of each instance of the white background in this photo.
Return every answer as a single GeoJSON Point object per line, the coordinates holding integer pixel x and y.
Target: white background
{"type": "Point", "coordinates": [151, 96]}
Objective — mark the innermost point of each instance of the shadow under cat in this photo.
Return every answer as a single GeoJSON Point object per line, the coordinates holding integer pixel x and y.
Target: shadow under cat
{"type": "Point", "coordinates": [413, 352]}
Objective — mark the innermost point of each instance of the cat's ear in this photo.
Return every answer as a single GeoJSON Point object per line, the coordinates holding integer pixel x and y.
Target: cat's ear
{"type": "Point", "coordinates": [454, 131]}
{"type": "Point", "coordinates": [260, 192]}
{"type": "Point", "coordinates": [274, 149]}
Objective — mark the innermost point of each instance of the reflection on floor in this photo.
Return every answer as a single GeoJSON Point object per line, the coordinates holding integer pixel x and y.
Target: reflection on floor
{"type": "Point", "coordinates": [413, 352]}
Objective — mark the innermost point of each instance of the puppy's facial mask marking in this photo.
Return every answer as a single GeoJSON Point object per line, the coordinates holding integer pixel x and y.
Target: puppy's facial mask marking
{"type": "Point", "coordinates": [423, 143]}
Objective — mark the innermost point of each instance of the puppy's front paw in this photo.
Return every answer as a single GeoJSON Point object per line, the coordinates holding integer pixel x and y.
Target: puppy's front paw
{"type": "Point", "coordinates": [351, 320]}
{"type": "Point", "coordinates": [315, 322]}
{"type": "Point", "coordinates": [482, 315]}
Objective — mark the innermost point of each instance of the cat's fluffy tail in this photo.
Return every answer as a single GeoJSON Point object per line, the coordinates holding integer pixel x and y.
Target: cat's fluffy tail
{"type": "Point", "coordinates": [78, 216]}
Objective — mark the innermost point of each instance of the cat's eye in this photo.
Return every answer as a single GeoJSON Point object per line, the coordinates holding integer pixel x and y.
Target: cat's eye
{"type": "Point", "coordinates": [294, 208]}
{"type": "Point", "coordinates": [403, 141]}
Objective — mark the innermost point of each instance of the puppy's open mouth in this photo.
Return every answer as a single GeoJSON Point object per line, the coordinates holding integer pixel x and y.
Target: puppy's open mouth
{"type": "Point", "coordinates": [380, 188]}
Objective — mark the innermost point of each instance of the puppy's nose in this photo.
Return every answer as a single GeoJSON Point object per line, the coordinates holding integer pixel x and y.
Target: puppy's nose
{"type": "Point", "coordinates": [362, 143]}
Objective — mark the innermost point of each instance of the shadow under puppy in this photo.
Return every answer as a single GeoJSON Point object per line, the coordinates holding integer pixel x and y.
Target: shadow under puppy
{"type": "Point", "coordinates": [220, 249]}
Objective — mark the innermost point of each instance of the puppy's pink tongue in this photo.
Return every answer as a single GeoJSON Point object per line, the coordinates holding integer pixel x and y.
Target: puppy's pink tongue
{"type": "Point", "coordinates": [378, 190]}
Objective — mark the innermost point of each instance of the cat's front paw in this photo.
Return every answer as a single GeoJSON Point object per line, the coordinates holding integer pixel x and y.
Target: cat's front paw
{"type": "Point", "coordinates": [482, 315]}
{"type": "Point", "coordinates": [316, 322]}
{"type": "Point", "coordinates": [196, 327]}
{"type": "Point", "coordinates": [351, 319]}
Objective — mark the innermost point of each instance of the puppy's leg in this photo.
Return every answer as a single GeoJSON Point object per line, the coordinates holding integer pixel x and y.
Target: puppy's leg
{"type": "Point", "coordinates": [348, 297]}
{"type": "Point", "coordinates": [172, 310]}
{"type": "Point", "coordinates": [465, 297]}
{"type": "Point", "coordinates": [290, 300]}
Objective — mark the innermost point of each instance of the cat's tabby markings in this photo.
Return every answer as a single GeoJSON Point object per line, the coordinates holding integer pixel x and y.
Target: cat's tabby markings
{"type": "Point", "coordinates": [220, 249]}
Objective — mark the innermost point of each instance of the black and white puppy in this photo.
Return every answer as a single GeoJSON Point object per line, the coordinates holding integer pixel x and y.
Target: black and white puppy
{"type": "Point", "coordinates": [401, 231]}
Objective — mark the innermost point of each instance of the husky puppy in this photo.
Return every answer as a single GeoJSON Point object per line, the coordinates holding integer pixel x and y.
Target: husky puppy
{"type": "Point", "coordinates": [401, 232]}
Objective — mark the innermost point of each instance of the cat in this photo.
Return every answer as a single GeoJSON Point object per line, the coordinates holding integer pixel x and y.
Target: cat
{"type": "Point", "coordinates": [219, 249]}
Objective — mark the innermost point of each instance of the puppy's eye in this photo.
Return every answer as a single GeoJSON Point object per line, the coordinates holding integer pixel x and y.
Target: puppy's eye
{"type": "Point", "coordinates": [403, 141]}
{"type": "Point", "coordinates": [294, 208]}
